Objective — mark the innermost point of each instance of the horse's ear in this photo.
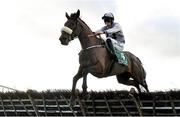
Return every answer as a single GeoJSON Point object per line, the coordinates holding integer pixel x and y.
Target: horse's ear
{"type": "Point", "coordinates": [78, 13]}
{"type": "Point", "coordinates": [67, 15]}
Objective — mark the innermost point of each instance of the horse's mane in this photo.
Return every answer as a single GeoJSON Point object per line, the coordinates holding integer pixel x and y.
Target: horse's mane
{"type": "Point", "coordinates": [85, 24]}
{"type": "Point", "coordinates": [74, 16]}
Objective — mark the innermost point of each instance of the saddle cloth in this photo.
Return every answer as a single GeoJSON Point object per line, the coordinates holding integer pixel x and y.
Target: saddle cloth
{"type": "Point", "coordinates": [121, 58]}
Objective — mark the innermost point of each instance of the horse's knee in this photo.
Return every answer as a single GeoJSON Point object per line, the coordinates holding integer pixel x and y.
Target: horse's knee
{"type": "Point", "coordinates": [121, 80]}
{"type": "Point", "coordinates": [76, 78]}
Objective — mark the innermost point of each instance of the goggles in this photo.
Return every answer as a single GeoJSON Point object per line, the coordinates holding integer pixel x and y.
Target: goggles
{"type": "Point", "coordinates": [107, 20]}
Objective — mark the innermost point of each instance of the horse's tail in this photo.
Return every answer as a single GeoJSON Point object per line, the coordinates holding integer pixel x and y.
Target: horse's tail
{"type": "Point", "coordinates": [138, 70]}
{"type": "Point", "coordinates": [137, 66]}
{"type": "Point", "coordinates": [143, 75]}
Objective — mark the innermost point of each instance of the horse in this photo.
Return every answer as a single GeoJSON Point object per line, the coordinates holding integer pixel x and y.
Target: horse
{"type": "Point", "coordinates": [95, 59]}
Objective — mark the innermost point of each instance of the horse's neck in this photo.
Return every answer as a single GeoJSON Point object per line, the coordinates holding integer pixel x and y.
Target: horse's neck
{"type": "Point", "coordinates": [85, 40]}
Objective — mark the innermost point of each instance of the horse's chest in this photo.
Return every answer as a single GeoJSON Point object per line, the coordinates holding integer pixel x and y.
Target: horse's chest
{"type": "Point", "coordinates": [87, 59]}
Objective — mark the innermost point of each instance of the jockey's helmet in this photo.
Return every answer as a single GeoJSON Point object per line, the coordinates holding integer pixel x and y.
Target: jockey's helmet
{"type": "Point", "coordinates": [108, 16]}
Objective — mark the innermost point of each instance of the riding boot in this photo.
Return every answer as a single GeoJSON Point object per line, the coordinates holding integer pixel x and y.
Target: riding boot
{"type": "Point", "coordinates": [109, 46]}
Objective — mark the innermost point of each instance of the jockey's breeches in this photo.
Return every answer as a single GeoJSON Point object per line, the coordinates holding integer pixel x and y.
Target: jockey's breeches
{"type": "Point", "coordinates": [116, 44]}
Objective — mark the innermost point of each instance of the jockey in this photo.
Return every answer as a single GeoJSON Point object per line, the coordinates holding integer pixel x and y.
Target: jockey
{"type": "Point", "coordinates": [113, 31]}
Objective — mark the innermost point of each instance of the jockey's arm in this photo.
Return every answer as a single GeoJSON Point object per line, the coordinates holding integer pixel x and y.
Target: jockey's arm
{"type": "Point", "coordinates": [114, 29]}
{"type": "Point", "coordinates": [98, 33]}
{"type": "Point", "coordinates": [100, 30]}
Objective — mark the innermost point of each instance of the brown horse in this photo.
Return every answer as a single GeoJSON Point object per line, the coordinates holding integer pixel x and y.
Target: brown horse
{"type": "Point", "coordinates": [95, 59]}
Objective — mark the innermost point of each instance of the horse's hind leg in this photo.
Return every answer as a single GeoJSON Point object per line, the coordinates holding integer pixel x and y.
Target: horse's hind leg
{"type": "Point", "coordinates": [141, 83]}
{"type": "Point", "coordinates": [125, 79]}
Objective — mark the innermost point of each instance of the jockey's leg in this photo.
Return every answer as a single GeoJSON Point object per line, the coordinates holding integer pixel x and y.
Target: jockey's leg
{"type": "Point", "coordinates": [110, 45]}
{"type": "Point", "coordinates": [114, 45]}
{"type": "Point", "coordinates": [117, 45]}
{"type": "Point", "coordinates": [117, 48]}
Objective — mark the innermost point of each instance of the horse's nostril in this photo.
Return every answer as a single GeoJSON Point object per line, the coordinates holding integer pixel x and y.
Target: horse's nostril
{"type": "Point", "coordinates": [63, 42]}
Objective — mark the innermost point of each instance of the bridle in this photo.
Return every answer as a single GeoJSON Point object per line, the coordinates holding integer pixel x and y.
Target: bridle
{"type": "Point", "coordinates": [70, 32]}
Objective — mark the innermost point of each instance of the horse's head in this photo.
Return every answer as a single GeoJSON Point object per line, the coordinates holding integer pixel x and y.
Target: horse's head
{"type": "Point", "coordinates": [70, 29]}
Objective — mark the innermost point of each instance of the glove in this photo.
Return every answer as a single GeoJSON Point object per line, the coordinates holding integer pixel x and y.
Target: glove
{"type": "Point", "coordinates": [100, 32]}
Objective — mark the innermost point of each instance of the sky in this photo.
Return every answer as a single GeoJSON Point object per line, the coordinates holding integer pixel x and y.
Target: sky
{"type": "Point", "coordinates": [31, 56]}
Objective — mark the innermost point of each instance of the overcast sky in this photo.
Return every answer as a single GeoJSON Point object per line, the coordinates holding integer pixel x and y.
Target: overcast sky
{"type": "Point", "coordinates": [31, 56]}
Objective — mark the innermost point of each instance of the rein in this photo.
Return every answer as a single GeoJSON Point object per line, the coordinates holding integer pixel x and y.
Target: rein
{"type": "Point", "coordinates": [93, 46]}
{"type": "Point", "coordinates": [70, 32]}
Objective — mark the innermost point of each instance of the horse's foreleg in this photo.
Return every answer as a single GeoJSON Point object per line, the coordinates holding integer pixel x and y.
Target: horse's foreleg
{"type": "Point", "coordinates": [75, 79]}
{"type": "Point", "coordinates": [84, 85]}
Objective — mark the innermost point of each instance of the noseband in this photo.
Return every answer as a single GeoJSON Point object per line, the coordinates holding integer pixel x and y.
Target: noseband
{"type": "Point", "coordinates": [69, 31]}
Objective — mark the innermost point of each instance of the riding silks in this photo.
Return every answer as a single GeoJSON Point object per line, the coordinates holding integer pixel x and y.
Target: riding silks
{"type": "Point", "coordinates": [120, 56]}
